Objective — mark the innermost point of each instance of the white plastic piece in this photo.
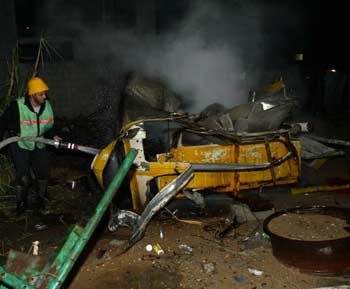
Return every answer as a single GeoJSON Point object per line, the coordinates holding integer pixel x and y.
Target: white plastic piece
{"type": "Point", "coordinates": [255, 272]}
{"type": "Point", "coordinates": [36, 248]}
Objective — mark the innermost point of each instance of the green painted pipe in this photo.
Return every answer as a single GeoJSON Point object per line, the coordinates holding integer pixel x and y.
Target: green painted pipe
{"type": "Point", "coordinates": [72, 239]}
{"type": "Point", "coordinates": [13, 281]}
{"type": "Point", "coordinates": [56, 273]}
{"type": "Point", "coordinates": [51, 268]}
{"type": "Point", "coordinates": [90, 227]}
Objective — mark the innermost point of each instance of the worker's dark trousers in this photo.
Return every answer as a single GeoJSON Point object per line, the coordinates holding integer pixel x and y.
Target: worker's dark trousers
{"type": "Point", "coordinates": [24, 161]}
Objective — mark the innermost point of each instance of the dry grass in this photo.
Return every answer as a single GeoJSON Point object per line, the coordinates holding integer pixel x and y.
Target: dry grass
{"type": "Point", "coordinates": [7, 175]}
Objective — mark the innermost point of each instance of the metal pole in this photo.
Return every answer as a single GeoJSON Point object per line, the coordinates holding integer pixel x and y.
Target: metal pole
{"type": "Point", "coordinates": [94, 220]}
{"type": "Point", "coordinates": [12, 281]}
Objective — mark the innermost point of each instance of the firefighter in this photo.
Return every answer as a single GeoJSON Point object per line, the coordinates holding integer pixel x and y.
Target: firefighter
{"type": "Point", "coordinates": [32, 116]}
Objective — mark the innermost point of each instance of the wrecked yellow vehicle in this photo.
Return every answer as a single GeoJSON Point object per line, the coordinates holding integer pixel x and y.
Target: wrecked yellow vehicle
{"type": "Point", "coordinates": [221, 161]}
{"type": "Point", "coordinates": [254, 160]}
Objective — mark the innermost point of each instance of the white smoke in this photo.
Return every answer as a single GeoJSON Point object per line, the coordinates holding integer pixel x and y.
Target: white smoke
{"type": "Point", "coordinates": [200, 60]}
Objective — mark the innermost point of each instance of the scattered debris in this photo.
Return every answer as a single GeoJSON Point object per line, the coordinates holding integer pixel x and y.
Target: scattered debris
{"type": "Point", "coordinates": [72, 184]}
{"type": "Point", "coordinates": [335, 287]}
{"type": "Point", "coordinates": [240, 278]}
{"type": "Point", "coordinates": [185, 249]}
{"type": "Point", "coordinates": [209, 268]}
{"type": "Point", "coordinates": [35, 245]}
{"type": "Point", "coordinates": [196, 197]}
{"type": "Point", "coordinates": [312, 149]}
{"type": "Point", "coordinates": [148, 97]}
{"type": "Point", "coordinates": [255, 272]}
{"type": "Point", "coordinates": [192, 222]}
{"type": "Point", "coordinates": [330, 140]}
{"type": "Point", "coordinates": [244, 213]}
{"type": "Point", "coordinates": [231, 224]}
{"type": "Point", "coordinates": [100, 254]}
{"type": "Point", "coordinates": [117, 242]}
{"type": "Point", "coordinates": [40, 226]}
{"type": "Point", "coordinates": [158, 249]}
{"type": "Point", "coordinates": [257, 236]}
{"type": "Point", "coordinates": [316, 163]}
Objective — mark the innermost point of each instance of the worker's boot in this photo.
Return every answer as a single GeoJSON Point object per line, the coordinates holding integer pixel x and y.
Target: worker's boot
{"type": "Point", "coordinates": [29, 202]}
{"type": "Point", "coordinates": [22, 195]}
{"type": "Point", "coordinates": [20, 200]}
{"type": "Point", "coordinates": [43, 200]}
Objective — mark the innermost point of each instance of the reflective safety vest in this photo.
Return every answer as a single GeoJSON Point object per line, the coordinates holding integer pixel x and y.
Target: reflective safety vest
{"type": "Point", "coordinates": [32, 124]}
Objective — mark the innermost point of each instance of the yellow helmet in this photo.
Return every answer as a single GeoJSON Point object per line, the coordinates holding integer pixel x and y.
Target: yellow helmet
{"type": "Point", "coordinates": [36, 85]}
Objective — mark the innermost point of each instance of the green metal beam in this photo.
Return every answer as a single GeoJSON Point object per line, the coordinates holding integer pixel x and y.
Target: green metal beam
{"type": "Point", "coordinates": [12, 281]}
{"type": "Point", "coordinates": [90, 227]}
{"type": "Point", "coordinates": [52, 267]}
{"type": "Point", "coordinates": [55, 273]}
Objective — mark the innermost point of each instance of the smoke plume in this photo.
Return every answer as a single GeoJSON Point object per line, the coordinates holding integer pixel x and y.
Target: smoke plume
{"type": "Point", "coordinates": [205, 58]}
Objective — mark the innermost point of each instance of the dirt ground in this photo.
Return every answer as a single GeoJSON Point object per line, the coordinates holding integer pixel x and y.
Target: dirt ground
{"type": "Point", "coordinates": [243, 259]}
{"type": "Point", "coordinates": [211, 263]}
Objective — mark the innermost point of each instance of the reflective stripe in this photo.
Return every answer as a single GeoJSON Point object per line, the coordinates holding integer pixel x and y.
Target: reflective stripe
{"type": "Point", "coordinates": [72, 146]}
{"type": "Point", "coordinates": [35, 121]}
{"type": "Point", "coordinates": [32, 124]}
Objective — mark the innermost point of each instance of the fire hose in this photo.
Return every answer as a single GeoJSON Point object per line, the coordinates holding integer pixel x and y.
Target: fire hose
{"type": "Point", "coordinates": [51, 142]}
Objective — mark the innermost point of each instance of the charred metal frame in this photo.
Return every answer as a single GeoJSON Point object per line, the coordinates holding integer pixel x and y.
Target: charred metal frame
{"type": "Point", "coordinates": [133, 134]}
{"type": "Point", "coordinates": [133, 137]}
{"type": "Point", "coordinates": [138, 223]}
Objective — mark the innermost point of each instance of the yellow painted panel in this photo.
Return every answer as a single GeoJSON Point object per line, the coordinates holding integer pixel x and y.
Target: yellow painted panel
{"type": "Point", "coordinates": [287, 172]}
{"type": "Point", "coordinates": [101, 160]}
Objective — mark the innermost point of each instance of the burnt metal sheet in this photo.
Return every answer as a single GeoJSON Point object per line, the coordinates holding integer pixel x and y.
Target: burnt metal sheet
{"type": "Point", "coordinates": [326, 257]}
{"type": "Point", "coordinates": [138, 223]}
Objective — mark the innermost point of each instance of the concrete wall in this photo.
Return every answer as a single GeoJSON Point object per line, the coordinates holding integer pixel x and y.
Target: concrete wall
{"type": "Point", "coordinates": [72, 87]}
{"type": "Point", "coordinates": [75, 87]}
{"type": "Point", "coordinates": [146, 16]}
